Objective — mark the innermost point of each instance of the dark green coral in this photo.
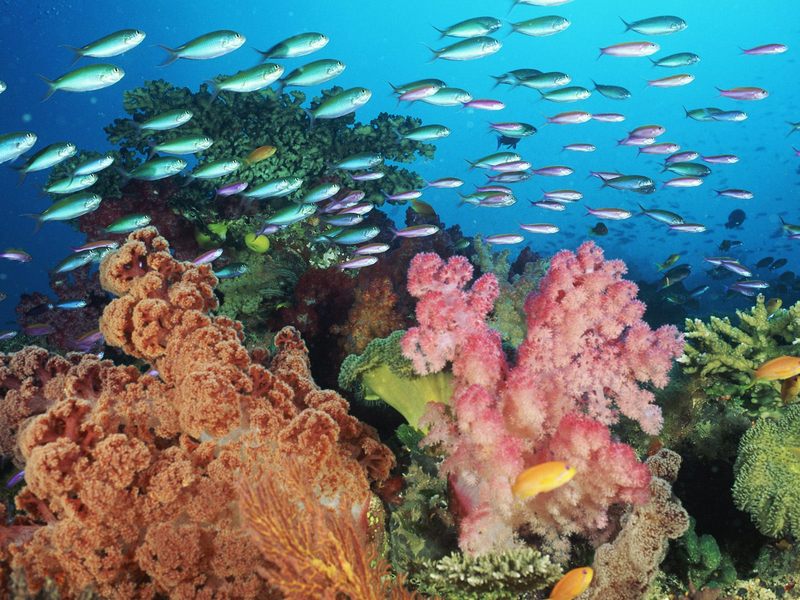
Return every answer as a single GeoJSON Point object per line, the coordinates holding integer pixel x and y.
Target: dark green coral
{"type": "Point", "coordinates": [707, 565]}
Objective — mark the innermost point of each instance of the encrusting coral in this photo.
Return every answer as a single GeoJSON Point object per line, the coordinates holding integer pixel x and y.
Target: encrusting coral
{"type": "Point", "coordinates": [132, 479]}
{"type": "Point", "coordinates": [625, 568]}
{"type": "Point", "coordinates": [580, 367]}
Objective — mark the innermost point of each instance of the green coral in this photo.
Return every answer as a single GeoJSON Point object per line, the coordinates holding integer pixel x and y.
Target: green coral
{"type": "Point", "coordinates": [508, 317]}
{"type": "Point", "coordinates": [707, 565]}
{"type": "Point", "coordinates": [501, 576]}
{"type": "Point", "coordinates": [381, 372]}
{"type": "Point", "coordinates": [722, 357]}
{"type": "Point", "coordinates": [767, 471]}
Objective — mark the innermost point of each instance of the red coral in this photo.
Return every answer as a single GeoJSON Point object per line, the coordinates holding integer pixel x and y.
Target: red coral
{"type": "Point", "coordinates": [134, 478]}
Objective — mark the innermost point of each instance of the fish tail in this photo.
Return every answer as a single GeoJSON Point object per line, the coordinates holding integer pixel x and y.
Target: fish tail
{"type": "Point", "coordinates": [600, 55]}
{"type": "Point", "coordinates": [393, 86]}
{"type": "Point", "coordinates": [394, 233]}
{"type": "Point", "coordinates": [172, 55]}
{"type": "Point", "coordinates": [497, 80]}
{"type": "Point", "coordinates": [470, 163]}
{"type": "Point", "coordinates": [717, 192]}
{"type": "Point", "coordinates": [281, 86]}
{"type": "Point", "coordinates": [441, 31]}
{"type": "Point", "coordinates": [435, 53]}
{"type": "Point", "coordinates": [513, 4]}
{"type": "Point", "coordinates": [126, 177]}
{"type": "Point", "coordinates": [215, 90]}
{"type": "Point", "coordinates": [38, 218]}
{"type": "Point", "coordinates": [514, 28]}
{"type": "Point", "coordinates": [627, 25]}
{"type": "Point", "coordinates": [311, 118]}
{"type": "Point", "coordinates": [77, 52]}
{"type": "Point", "coordinates": [51, 87]}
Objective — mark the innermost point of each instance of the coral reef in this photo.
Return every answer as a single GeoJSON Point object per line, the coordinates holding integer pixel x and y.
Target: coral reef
{"type": "Point", "coordinates": [707, 565]}
{"type": "Point", "coordinates": [625, 568]}
{"type": "Point", "coordinates": [722, 356]}
{"type": "Point", "coordinates": [768, 474]}
{"type": "Point", "coordinates": [132, 479]}
{"type": "Point", "coordinates": [581, 365]}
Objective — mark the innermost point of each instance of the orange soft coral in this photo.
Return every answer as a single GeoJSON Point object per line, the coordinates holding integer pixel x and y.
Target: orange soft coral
{"type": "Point", "coordinates": [133, 478]}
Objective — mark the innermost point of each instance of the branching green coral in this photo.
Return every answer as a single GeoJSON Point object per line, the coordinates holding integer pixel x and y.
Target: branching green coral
{"type": "Point", "coordinates": [381, 372]}
{"type": "Point", "coordinates": [723, 357]}
{"type": "Point", "coordinates": [501, 576]}
{"type": "Point", "coordinates": [768, 474]}
{"type": "Point", "coordinates": [508, 317]}
{"type": "Point", "coordinates": [707, 565]}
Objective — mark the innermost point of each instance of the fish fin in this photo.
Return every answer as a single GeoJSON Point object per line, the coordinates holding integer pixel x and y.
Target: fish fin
{"type": "Point", "coordinates": [513, 29]}
{"type": "Point", "coordinates": [470, 163]}
{"type": "Point", "coordinates": [599, 56]}
{"type": "Point", "coordinates": [126, 177]}
{"type": "Point", "coordinates": [435, 53]}
{"type": "Point", "coordinates": [38, 220]}
{"type": "Point", "coordinates": [311, 118]}
{"type": "Point", "coordinates": [281, 86]}
{"type": "Point", "coordinates": [394, 233]}
{"type": "Point", "coordinates": [215, 90]}
{"type": "Point", "coordinates": [686, 111]}
{"type": "Point", "coordinates": [513, 4]}
{"type": "Point", "coordinates": [718, 192]}
{"type": "Point", "coordinates": [51, 87]}
{"type": "Point", "coordinates": [441, 31]}
{"type": "Point", "coordinates": [77, 52]}
{"type": "Point", "coordinates": [172, 55]}
{"type": "Point", "coordinates": [627, 25]}
{"type": "Point", "coordinates": [652, 60]}
{"type": "Point", "coordinates": [393, 86]}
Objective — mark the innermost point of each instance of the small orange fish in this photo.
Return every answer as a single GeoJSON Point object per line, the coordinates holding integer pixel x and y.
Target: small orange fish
{"type": "Point", "coordinates": [541, 478]}
{"type": "Point", "coordinates": [573, 584]}
{"type": "Point", "coordinates": [259, 154]}
{"type": "Point", "coordinates": [779, 368]}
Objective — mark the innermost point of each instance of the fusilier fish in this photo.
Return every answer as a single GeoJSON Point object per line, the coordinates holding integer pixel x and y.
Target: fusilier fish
{"type": "Point", "coordinates": [157, 168]}
{"type": "Point", "coordinates": [94, 165]}
{"type": "Point", "coordinates": [75, 261]}
{"type": "Point", "coordinates": [608, 117]}
{"type": "Point", "coordinates": [210, 45]}
{"type": "Point", "coordinates": [68, 208]}
{"type": "Point", "coordinates": [375, 248]}
{"type": "Point", "coordinates": [631, 49]}
{"type": "Point", "coordinates": [468, 49]}
{"type": "Point", "coordinates": [631, 183]}
{"type": "Point", "coordinates": [414, 85]}
{"type": "Point", "coordinates": [656, 25]}
{"type": "Point", "coordinates": [766, 49]}
{"type": "Point", "coordinates": [341, 104]}
{"type": "Point", "coordinates": [292, 214]}
{"type": "Point", "coordinates": [566, 94]}
{"type": "Point", "coordinates": [539, 227]}
{"type": "Point", "coordinates": [672, 81]}
{"type": "Point", "coordinates": [110, 45]}
{"type": "Point", "coordinates": [732, 116]}
{"type": "Point", "coordinates": [358, 162]}
{"type": "Point", "coordinates": [415, 231]}
{"type": "Point", "coordinates": [321, 192]}
{"type": "Point", "coordinates": [314, 73]}
{"type": "Point", "coordinates": [688, 169]}
{"type": "Point", "coordinates": [16, 255]}
{"type": "Point", "coordinates": [352, 237]}
{"type": "Point", "coordinates": [735, 193]}
{"type": "Point", "coordinates": [128, 223]}
{"type": "Point", "coordinates": [494, 159]}
{"type": "Point", "coordinates": [47, 157]}
{"type": "Point", "coordinates": [662, 216]}
{"type": "Point", "coordinates": [485, 104]}
{"type": "Point", "coordinates": [85, 79]}
{"type": "Point", "coordinates": [3, 86]}
{"type": "Point", "coordinates": [745, 93]}
{"type": "Point", "coordinates": [167, 120]}
{"type": "Point", "coordinates": [358, 263]}
{"type": "Point", "coordinates": [448, 96]}
{"type": "Point", "coordinates": [681, 59]}
{"type": "Point", "coordinates": [614, 92]}
{"type": "Point", "coordinates": [688, 227]}
{"type": "Point", "coordinates": [70, 185]}
{"type": "Point", "coordinates": [217, 168]}
{"type": "Point", "coordinates": [541, 26]}
{"type": "Point", "coordinates": [543, 81]}
{"type": "Point", "coordinates": [426, 132]}
{"type": "Point", "coordinates": [232, 271]}
{"type": "Point", "coordinates": [301, 44]}
{"type": "Point", "coordinates": [615, 214]}
{"type": "Point", "coordinates": [189, 144]}
{"type": "Point", "coordinates": [474, 27]}
{"type": "Point", "coordinates": [721, 159]}
{"type": "Point", "coordinates": [446, 182]}
{"type": "Point", "coordinates": [504, 239]}
{"type": "Point", "coordinates": [249, 80]}
{"type": "Point", "coordinates": [275, 188]}
{"type": "Point", "coordinates": [513, 129]}
{"type": "Point", "coordinates": [570, 118]}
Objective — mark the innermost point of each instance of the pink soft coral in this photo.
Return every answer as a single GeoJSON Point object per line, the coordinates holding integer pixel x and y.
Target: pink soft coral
{"type": "Point", "coordinates": [586, 353]}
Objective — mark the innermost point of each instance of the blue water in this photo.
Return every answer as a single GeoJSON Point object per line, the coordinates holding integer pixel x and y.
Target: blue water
{"type": "Point", "coordinates": [381, 40]}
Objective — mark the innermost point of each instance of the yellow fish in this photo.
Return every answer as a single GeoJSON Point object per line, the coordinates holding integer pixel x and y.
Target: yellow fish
{"type": "Point", "coordinates": [541, 478]}
{"type": "Point", "coordinates": [259, 154]}
{"type": "Point", "coordinates": [779, 368]}
{"type": "Point", "coordinates": [573, 584]}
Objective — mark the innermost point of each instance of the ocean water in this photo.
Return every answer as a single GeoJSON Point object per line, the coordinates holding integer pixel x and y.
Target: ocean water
{"type": "Point", "coordinates": [385, 41]}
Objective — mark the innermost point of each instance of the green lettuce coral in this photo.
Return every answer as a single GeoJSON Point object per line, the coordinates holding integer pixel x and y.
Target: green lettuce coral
{"type": "Point", "coordinates": [722, 357]}
{"type": "Point", "coordinates": [767, 471]}
{"type": "Point", "coordinates": [381, 372]}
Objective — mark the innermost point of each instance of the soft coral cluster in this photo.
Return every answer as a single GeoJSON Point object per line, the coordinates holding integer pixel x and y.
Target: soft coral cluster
{"type": "Point", "coordinates": [133, 478]}
{"type": "Point", "coordinates": [585, 357]}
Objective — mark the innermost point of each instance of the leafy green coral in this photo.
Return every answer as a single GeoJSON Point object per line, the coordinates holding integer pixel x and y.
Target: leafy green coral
{"type": "Point", "coordinates": [722, 357]}
{"type": "Point", "coordinates": [501, 576]}
{"type": "Point", "coordinates": [382, 372]}
{"type": "Point", "coordinates": [508, 317]}
{"type": "Point", "coordinates": [768, 474]}
{"type": "Point", "coordinates": [707, 565]}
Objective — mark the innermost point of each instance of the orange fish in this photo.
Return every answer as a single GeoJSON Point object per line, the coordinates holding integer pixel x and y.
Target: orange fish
{"type": "Point", "coordinates": [573, 584]}
{"type": "Point", "coordinates": [259, 154]}
{"type": "Point", "coordinates": [541, 478]}
{"type": "Point", "coordinates": [779, 368]}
